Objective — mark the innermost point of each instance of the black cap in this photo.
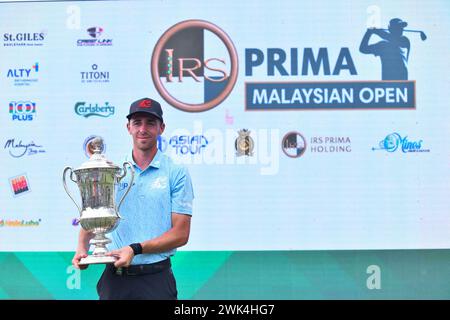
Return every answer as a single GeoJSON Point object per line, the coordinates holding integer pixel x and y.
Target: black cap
{"type": "Point", "coordinates": [146, 105]}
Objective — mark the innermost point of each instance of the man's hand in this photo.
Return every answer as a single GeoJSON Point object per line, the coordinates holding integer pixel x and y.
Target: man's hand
{"type": "Point", "coordinates": [76, 260]}
{"type": "Point", "coordinates": [124, 256]}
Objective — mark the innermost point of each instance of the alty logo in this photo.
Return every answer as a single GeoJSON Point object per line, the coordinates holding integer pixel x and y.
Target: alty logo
{"type": "Point", "coordinates": [395, 141]}
{"type": "Point", "coordinates": [22, 110]}
{"type": "Point", "coordinates": [23, 76]}
{"type": "Point", "coordinates": [184, 76]}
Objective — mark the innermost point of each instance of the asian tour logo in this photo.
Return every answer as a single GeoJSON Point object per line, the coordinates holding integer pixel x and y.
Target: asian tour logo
{"type": "Point", "coordinates": [394, 142]}
{"type": "Point", "coordinates": [184, 76]}
{"type": "Point", "coordinates": [184, 144]}
{"type": "Point", "coordinates": [22, 110]}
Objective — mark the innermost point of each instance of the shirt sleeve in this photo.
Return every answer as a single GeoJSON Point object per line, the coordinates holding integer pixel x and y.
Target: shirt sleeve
{"type": "Point", "coordinates": [182, 193]}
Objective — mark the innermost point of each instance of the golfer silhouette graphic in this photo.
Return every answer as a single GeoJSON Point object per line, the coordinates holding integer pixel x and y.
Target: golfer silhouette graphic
{"type": "Point", "coordinates": [393, 50]}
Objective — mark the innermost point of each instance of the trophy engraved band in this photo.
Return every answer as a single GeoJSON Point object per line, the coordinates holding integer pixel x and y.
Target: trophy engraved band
{"type": "Point", "coordinates": [97, 179]}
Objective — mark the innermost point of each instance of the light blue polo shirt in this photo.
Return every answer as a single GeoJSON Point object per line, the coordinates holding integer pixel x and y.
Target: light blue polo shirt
{"type": "Point", "coordinates": [162, 188]}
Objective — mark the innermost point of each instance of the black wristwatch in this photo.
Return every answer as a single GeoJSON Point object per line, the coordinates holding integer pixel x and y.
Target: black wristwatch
{"type": "Point", "coordinates": [137, 248]}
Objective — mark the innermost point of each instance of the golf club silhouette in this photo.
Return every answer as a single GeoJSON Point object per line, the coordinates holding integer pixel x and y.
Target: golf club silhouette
{"type": "Point", "coordinates": [423, 36]}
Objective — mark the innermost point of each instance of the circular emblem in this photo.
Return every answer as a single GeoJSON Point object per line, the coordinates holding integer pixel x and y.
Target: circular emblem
{"type": "Point", "coordinates": [293, 144]}
{"type": "Point", "coordinates": [181, 71]}
{"type": "Point", "coordinates": [91, 144]}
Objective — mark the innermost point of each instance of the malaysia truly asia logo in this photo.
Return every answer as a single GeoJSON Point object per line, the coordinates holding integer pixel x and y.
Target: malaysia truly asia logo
{"type": "Point", "coordinates": [18, 149]}
{"type": "Point", "coordinates": [183, 71]}
{"type": "Point", "coordinates": [394, 91]}
{"type": "Point", "coordinates": [394, 141]}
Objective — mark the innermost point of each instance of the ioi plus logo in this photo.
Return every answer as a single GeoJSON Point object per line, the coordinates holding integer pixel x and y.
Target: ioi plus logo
{"type": "Point", "coordinates": [182, 73]}
{"type": "Point", "coordinates": [22, 110]}
{"type": "Point", "coordinates": [394, 141]}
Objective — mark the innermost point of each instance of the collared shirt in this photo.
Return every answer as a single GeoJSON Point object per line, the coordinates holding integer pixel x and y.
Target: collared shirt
{"type": "Point", "coordinates": [157, 191]}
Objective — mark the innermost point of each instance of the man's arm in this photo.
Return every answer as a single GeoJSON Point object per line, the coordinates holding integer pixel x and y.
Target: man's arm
{"type": "Point", "coordinates": [364, 46]}
{"type": "Point", "coordinates": [83, 247]}
{"type": "Point", "coordinates": [175, 237]}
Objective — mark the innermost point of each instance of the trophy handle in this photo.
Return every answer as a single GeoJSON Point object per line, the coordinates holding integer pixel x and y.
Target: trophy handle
{"type": "Point", "coordinates": [120, 177]}
{"type": "Point", "coordinates": [65, 185]}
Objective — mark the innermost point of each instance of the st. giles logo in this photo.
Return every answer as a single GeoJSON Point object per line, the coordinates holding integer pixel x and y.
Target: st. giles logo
{"type": "Point", "coordinates": [182, 73]}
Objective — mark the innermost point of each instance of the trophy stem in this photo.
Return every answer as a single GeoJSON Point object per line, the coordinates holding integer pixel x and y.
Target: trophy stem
{"type": "Point", "coordinates": [99, 242]}
{"type": "Point", "coordinates": [99, 254]}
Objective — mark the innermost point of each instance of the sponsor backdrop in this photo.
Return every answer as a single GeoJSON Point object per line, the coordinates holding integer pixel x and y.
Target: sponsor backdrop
{"type": "Point", "coordinates": [316, 135]}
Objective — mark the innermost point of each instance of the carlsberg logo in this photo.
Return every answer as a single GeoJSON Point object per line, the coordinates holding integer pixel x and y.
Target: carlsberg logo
{"type": "Point", "coordinates": [88, 109]}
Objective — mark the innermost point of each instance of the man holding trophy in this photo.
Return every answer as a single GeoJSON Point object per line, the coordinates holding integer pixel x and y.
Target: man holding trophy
{"type": "Point", "coordinates": [155, 212]}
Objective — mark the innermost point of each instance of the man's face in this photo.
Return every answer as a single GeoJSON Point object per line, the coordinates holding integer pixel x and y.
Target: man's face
{"type": "Point", "coordinates": [145, 130]}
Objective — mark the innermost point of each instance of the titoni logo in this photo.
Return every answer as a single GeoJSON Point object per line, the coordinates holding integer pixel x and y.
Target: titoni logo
{"type": "Point", "coordinates": [194, 65]}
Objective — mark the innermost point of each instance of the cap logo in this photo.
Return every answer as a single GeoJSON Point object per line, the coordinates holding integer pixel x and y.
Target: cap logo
{"type": "Point", "coordinates": [145, 104]}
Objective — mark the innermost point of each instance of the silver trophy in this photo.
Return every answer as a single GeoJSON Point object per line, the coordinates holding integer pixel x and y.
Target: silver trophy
{"type": "Point", "coordinates": [97, 179]}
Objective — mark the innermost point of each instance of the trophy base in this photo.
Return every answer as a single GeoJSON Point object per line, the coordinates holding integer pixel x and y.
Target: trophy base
{"type": "Point", "coordinates": [97, 260]}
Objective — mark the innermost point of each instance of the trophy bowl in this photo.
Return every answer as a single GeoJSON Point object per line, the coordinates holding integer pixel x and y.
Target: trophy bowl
{"type": "Point", "coordinates": [97, 179]}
